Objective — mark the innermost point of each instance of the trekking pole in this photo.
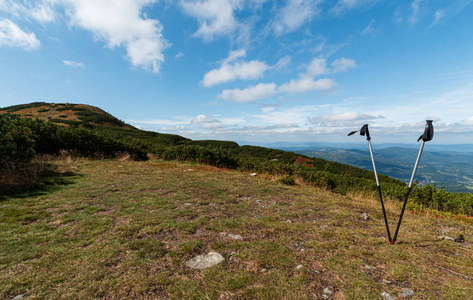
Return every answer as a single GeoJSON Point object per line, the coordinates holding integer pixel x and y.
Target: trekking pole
{"type": "Point", "coordinates": [364, 131]}
{"type": "Point", "coordinates": [425, 137]}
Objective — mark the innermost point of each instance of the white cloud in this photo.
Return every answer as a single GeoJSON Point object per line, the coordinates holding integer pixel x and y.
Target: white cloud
{"type": "Point", "coordinates": [215, 17]}
{"type": "Point", "coordinates": [415, 6]}
{"type": "Point", "coordinates": [343, 64]}
{"type": "Point", "coordinates": [179, 55]}
{"type": "Point", "coordinates": [318, 66]}
{"type": "Point", "coordinates": [72, 63]}
{"type": "Point", "coordinates": [40, 11]}
{"type": "Point", "coordinates": [202, 119]}
{"type": "Point", "coordinates": [307, 84]}
{"type": "Point", "coordinates": [283, 62]}
{"type": "Point", "coordinates": [229, 71]}
{"type": "Point", "coordinates": [234, 55]}
{"type": "Point", "coordinates": [121, 23]}
{"type": "Point", "coordinates": [344, 6]}
{"type": "Point", "coordinates": [12, 36]}
{"type": "Point", "coordinates": [438, 15]}
{"type": "Point", "coordinates": [294, 15]}
{"type": "Point", "coordinates": [468, 121]}
{"type": "Point", "coordinates": [369, 30]}
{"type": "Point", "coordinates": [341, 117]}
{"type": "Point", "coordinates": [253, 93]}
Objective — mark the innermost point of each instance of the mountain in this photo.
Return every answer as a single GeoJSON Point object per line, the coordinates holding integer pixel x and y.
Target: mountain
{"type": "Point", "coordinates": [66, 114]}
{"type": "Point", "coordinates": [86, 116]}
{"type": "Point", "coordinates": [453, 170]}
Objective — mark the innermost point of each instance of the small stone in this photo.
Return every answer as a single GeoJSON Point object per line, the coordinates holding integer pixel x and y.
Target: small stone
{"type": "Point", "coordinates": [187, 204]}
{"type": "Point", "coordinates": [235, 236]}
{"type": "Point", "coordinates": [387, 296]}
{"type": "Point", "coordinates": [368, 267]}
{"type": "Point", "coordinates": [406, 293]}
{"type": "Point", "coordinates": [298, 246]}
{"type": "Point", "coordinates": [328, 292]}
{"type": "Point", "coordinates": [288, 221]}
{"type": "Point", "coordinates": [253, 174]}
{"type": "Point", "coordinates": [259, 201]}
{"type": "Point", "coordinates": [384, 281]}
{"type": "Point", "coordinates": [205, 261]}
{"type": "Point", "coordinates": [263, 270]}
{"type": "Point", "coordinates": [365, 216]}
{"type": "Point", "coordinates": [460, 239]}
{"type": "Point", "coordinates": [449, 238]}
{"type": "Point", "coordinates": [18, 297]}
{"type": "Point", "coordinates": [299, 267]}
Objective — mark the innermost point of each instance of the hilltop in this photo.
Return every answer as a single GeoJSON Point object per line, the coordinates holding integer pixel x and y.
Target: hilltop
{"type": "Point", "coordinates": [123, 229]}
{"type": "Point", "coordinates": [66, 114]}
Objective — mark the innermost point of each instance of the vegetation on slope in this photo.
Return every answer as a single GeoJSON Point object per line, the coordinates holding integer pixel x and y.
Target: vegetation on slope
{"type": "Point", "coordinates": [123, 230]}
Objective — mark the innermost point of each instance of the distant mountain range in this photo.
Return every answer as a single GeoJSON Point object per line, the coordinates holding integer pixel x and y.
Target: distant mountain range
{"type": "Point", "coordinates": [450, 169]}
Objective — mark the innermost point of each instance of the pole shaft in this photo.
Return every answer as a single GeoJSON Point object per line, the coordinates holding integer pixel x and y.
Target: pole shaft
{"type": "Point", "coordinates": [379, 190]}
{"type": "Point", "coordinates": [408, 191]}
{"type": "Point", "coordinates": [372, 160]}
{"type": "Point", "coordinates": [417, 163]}
{"type": "Point", "coordinates": [384, 213]}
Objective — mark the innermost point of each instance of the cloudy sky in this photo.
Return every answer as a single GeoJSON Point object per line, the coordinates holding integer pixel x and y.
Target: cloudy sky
{"type": "Point", "coordinates": [257, 71]}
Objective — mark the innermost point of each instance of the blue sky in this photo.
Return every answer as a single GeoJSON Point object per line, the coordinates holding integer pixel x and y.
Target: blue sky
{"type": "Point", "coordinates": [258, 71]}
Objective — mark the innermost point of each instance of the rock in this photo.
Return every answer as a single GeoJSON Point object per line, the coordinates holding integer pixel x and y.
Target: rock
{"type": "Point", "coordinates": [187, 204]}
{"type": "Point", "coordinates": [327, 292]}
{"type": "Point", "coordinates": [299, 267]}
{"type": "Point", "coordinates": [253, 174]}
{"type": "Point", "coordinates": [18, 297]}
{"type": "Point", "coordinates": [235, 236]}
{"type": "Point", "coordinates": [384, 281]}
{"type": "Point", "coordinates": [205, 261]}
{"type": "Point", "coordinates": [448, 238]}
{"type": "Point", "coordinates": [288, 221]}
{"type": "Point", "coordinates": [460, 239]}
{"type": "Point", "coordinates": [387, 296]}
{"type": "Point", "coordinates": [406, 293]}
{"type": "Point", "coordinates": [368, 267]}
{"type": "Point", "coordinates": [259, 201]}
{"type": "Point", "coordinates": [263, 270]}
{"type": "Point", "coordinates": [365, 216]}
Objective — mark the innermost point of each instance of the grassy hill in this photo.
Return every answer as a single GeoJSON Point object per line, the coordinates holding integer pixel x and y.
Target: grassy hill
{"type": "Point", "coordinates": [66, 114]}
{"type": "Point", "coordinates": [124, 230]}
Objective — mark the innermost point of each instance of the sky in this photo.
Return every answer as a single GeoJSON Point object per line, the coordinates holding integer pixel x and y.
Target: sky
{"type": "Point", "coordinates": [256, 71]}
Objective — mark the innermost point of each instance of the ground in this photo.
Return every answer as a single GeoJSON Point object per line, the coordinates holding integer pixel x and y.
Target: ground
{"type": "Point", "coordinates": [123, 229]}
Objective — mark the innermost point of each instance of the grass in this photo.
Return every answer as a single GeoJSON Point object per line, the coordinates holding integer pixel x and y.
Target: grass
{"type": "Point", "coordinates": [125, 229]}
